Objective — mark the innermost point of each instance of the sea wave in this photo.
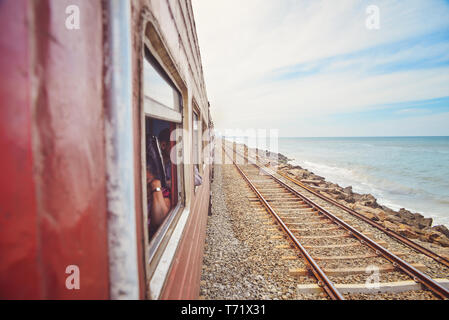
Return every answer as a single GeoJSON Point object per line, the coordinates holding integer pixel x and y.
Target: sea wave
{"type": "Point", "coordinates": [359, 178]}
{"type": "Point", "coordinates": [388, 192]}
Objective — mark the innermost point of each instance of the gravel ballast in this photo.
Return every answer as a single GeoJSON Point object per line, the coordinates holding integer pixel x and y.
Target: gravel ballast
{"type": "Point", "coordinates": [240, 259]}
{"type": "Point", "coordinates": [244, 248]}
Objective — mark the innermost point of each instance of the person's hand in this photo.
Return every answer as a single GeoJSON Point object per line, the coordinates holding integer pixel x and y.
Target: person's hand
{"type": "Point", "coordinates": [150, 177]}
{"type": "Point", "coordinates": [155, 184]}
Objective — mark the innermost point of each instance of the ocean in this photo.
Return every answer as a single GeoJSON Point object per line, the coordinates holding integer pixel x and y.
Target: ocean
{"type": "Point", "coordinates": [401, 172]}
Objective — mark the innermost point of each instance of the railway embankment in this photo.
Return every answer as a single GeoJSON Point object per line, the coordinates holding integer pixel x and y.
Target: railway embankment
{"type": "Point", "coordinates": [241, 259]}
{"type": "Point", "coordinates": [247, 255]}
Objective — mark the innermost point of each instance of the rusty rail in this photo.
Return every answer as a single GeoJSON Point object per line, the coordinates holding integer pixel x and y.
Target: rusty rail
{"type": "Point", "coordinates": [415, 274]}
{"type": "Point", "coordinates": [389, 232]}
{"type": "Point", "coordinates": [323, 280]}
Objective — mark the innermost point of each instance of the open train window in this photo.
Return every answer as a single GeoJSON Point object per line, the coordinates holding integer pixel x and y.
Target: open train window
{"type": "Point", "coordinates": [205, 146]}
{"type": "Point", "coordinates": [162, 99]}
{"type": "Point", "coordinates": [163, 115]}
{"type": "Point", "coordinates": [196, 140]}
{"type": "Point", "coordinates": [197, 156]}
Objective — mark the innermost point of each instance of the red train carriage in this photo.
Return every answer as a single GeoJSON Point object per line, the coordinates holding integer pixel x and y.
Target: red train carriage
{"type": "Point", "coordinates": [83, 86]}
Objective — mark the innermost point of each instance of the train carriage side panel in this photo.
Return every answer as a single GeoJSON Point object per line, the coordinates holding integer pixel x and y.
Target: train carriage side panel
{"type": "Point", "coordinates": [64, 198]}
{"type": "Point", "coordinates": [69, 148]}
{"type": "Point", "coordinates": [174, 45]}
{"type": "Point", "coordinates": [19, 272]}
{"type": "Point", "coordinates": [184, 278]}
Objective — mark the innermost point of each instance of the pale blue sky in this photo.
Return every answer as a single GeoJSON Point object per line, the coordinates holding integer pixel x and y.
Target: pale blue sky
{"type": "Point", "coordinates": [312, 68]}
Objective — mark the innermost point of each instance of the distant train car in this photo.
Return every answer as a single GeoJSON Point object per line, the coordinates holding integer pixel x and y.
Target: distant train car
{"type": "Point", "coordinates": [84, 86]}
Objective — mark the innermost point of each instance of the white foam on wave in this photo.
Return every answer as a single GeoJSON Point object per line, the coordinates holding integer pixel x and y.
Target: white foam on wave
{"type": "Point", "coordinates": [343, 176]}
{"type": "Point", "coordinates": [384, 190]}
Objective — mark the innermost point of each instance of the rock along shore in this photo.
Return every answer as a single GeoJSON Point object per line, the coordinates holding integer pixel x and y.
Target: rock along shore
{"type": "Point", "coordinates": [409, 224]}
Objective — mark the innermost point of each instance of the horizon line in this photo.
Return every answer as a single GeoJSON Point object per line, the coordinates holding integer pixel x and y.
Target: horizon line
{"type": "Point", "coordinates": [423, 136]}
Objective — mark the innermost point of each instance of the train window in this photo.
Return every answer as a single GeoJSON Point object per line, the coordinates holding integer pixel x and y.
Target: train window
{"type": "Point", "coordinates": [162, 99]}
{"type": "Point", "coordinates": [162, 109]}
{"type": "Point", "coordinates": [196, 139]}
{"type": "Point", "coordinates": [205, 148]}
{"type": "Point", "coordinates": [197, 170]}
{"type": "Point", "coordinates": [161, 170]}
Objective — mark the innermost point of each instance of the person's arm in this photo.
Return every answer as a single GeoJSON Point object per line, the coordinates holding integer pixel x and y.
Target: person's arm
{"type": "Point", "coordinates": [160, 206]}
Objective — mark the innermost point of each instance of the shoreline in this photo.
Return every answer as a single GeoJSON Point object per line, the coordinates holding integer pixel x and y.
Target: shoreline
{"type": "Point", "coordinates": [412, 225]}
{"type": "Point", "coordinates": [384, 199]}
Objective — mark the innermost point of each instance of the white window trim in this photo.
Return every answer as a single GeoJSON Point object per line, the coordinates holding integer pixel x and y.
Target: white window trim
{"type": "Point", "coordinates": [164, 265]}
{"type": "Point", "coordinates": [156, 110]}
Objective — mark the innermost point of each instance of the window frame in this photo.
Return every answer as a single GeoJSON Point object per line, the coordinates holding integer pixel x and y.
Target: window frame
{"type": "Point", "coordinates": [196, 110]}
{"type": "Point", "coordinates": [204, 145]}
{"type": "Point", "coordinates": [198, 140]}
{"type": "Point", "coordinates": [154, 248]}
{"type": "Point", "coordinates": [153, 108]}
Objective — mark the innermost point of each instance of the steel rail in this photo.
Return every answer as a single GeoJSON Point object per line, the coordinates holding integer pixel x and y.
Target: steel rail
{"type": "Point", "coordinates": [415, 274]}
{"type": "Point", "coordinates": [389, 232]}
{"type": "Point", "coordinates": [323, 281]}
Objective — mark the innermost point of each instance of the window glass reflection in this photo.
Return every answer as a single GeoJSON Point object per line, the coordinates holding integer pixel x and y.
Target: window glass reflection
{"type": "Point", "coordinates": [157, 88]}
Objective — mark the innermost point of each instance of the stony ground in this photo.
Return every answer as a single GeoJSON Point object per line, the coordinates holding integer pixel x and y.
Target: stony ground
{"type": "Point", "coordinates": [240, 260]}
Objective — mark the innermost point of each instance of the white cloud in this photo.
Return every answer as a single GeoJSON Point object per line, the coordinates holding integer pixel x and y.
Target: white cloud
{"type": "Point", "coordinates": [407, 126]}
{"type": "Point", "coordinates": [413, 111]}
{"type": "Point", "coordinates": [243, 43]}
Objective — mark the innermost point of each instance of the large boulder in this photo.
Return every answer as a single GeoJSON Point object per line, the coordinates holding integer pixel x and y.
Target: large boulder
{"type": "Point", "coordinates": [443, 229]}
{"type": "Point", "coordinates": [442, 241]}
{"type": "Point", "coordinates": [430, 235]}
{"type": "Point", "coordinates": [345, 194]}
{"type": "Point", "coordinates": [424, 222]}
{"type": "Point", "coordinates": [389, 225]}
{"type": "Point", "coordinates": [368, 200]}
{"type": "Point", "coordinates": [413, 219]}
{"type": "Point", "coordinates": [370, 215]}
{"type": "Point", "coordinates": [333, 190]}
{"type": "Point", "coordinates": [388, 211]}
{"type": "Point", "coordinates": [405, 214]}
{"type": "Point", "coordinates": [282, 158]}
{"type": "Point", "coordinates": [394, 219]}
{"type": "Point", "coordinates": [407, 231]}
{"type": "Point", "coordinates": [374, 214]}
{"type": "Point", "coordinates": [381, 214]}
{"type": "Point", "coordinates": [348, 190]}
{"type": "Point", "coordinates": [345, 197]}
{"type": "Point", "coordinates": [298, 173]}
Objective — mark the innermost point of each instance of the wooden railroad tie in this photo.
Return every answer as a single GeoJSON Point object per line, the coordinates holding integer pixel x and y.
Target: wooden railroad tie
{"type": "Point", "coordinates": [354, 257]}
{"type": "Point", "coordinates": [352, 271]}
{"type": "Point", "coordinates": [380, 242]}
{"type": "Point", "coordinates": [317, 229]}
{"type": "Point", "coordinates": [383, 287]}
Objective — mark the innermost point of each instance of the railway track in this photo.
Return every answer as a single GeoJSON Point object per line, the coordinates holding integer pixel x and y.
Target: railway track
{"type": "Point", "coordinates": [335, 253]}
